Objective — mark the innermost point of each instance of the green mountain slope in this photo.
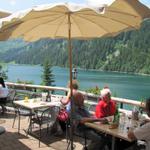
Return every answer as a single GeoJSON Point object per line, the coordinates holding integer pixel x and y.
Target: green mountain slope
{"type": "Point", "coordinates": [127, 52]}
{"type": "Point", "coordinates": [6, 46]}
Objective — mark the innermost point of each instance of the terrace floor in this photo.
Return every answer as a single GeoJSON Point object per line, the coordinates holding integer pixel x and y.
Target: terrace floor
{"type": "Point", "coordinates": [11, 140]}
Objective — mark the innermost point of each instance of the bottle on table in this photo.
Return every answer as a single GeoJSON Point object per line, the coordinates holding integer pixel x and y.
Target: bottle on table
{"type": "Point", "coordinates": [116, 116]}
{"type": "Point", "coordinates": [48, 98]}
{"type": "Point", "coordinates": [135, 113]}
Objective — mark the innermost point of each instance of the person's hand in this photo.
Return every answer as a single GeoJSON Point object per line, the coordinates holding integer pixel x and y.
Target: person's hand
{"type": "Point", "coordinates": [131, 135]}
{"type": "Point", "coordinates": [63, 101]}
{"type": "Point", "coordinates": [104, 121]}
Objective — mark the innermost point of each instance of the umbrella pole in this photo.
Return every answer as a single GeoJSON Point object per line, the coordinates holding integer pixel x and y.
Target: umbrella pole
{"type": "Point", "coordinates": [70, 72]}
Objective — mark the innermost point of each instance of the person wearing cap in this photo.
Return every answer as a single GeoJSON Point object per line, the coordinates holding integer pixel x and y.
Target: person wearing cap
{"type": "Point", "coordinates": [106, 106]}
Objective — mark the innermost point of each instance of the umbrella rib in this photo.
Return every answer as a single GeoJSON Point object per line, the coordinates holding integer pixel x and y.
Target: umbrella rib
{"type": "Point", "coordinates": [47, 15]}
{"type": "Point", "coordinates": [129, 25]}
{"type": "Point", "coordinates": [39, 24]}
{"type": "Point", "coordinates": [76, 24]}
{"type": "Point", "coordinates": [58, 26]}
{"type": "Point", "coordinates": [125, 13]}
{"type": "Point", "coordinates": [28, 20]}
{"type": "Point", "coordinates": [8, 27]}
{"type": "Point", "coordinates": [93, 22]}
{"type": "Point", "coordinates": [108, 18]}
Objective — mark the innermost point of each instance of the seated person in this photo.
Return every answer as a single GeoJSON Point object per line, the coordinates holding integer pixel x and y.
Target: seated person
{"type": "Point", "coordinates": [67, 105]}
{"type": "Point", "coordinates": [80, 116]}
{"type": "Point", "coordinates": [106, 106]}
{"type": "Point", "coordinates": [3, 94]}
{"type": "Point", "coordinates": [66, 101]}
{"type": "Point", "coordinates": [143, 132]}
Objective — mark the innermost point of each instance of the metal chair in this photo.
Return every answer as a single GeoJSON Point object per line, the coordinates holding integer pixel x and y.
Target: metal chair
{"type": "Point", "coordinates": [48, 117]}
{"type": "Point", "coordinates": [20, 111]}
{"type": "Point", "coordinates": [4, 101]}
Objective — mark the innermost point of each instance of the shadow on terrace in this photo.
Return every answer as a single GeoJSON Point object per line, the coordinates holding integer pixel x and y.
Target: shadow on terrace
{"type": "Point", "coordinates": [11, 140]}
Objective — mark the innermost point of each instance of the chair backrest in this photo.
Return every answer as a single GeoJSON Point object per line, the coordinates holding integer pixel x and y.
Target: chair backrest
{"type": "Point", "coordinates": [11, 95]}
{"type": "Point", "coordinates": [36, 95]}
{"type": "Point", "coordinates": [50, 114]}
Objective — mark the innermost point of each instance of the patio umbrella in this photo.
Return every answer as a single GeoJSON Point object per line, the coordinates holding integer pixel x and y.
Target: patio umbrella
{"type": "Point", "coordinates": [73, 21]}
{"type": "Point", "coordinates": [4, 14]}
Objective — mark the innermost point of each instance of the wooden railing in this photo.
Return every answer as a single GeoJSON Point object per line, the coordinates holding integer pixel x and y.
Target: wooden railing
{"type": "Point", "coordinates": [90, 98]}
{"type": "Point", "coordinates": [34, 87]}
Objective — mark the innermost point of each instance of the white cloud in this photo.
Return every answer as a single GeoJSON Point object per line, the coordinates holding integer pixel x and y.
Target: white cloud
{"type": "Point", "coordinates": [98, 2]}
{"type": "Point", "coordinates": [12, 2]}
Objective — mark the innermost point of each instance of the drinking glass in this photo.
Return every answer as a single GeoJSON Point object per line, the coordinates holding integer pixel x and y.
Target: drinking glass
{"type": "Point", "coordinates": [26, 99]}
{"type": "Point", "coordinates": [44, 96]}
{"type": "Point", "coordinates": [122, 121]}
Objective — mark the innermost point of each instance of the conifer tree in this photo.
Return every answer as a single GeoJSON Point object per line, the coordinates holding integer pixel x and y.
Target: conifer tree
{"type": "Point", "coordinates": [47, 77]}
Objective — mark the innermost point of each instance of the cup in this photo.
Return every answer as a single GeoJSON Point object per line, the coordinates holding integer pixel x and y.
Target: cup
{"type": "Point", "coordinates": [122, 121]}
{"type": "Point", "coordinates": [26, 99]}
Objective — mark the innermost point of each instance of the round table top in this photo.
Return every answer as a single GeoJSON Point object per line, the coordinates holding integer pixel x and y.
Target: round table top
{"type": "Point", "coordinates": [2, 130]}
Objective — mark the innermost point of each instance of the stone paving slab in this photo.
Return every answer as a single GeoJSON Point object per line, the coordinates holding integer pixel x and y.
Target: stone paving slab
{"type": "Point", "coordinates": [11, 140]}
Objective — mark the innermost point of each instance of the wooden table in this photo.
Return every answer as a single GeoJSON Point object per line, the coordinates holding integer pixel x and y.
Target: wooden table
{"type": "Point", "coordinates": [120, 132]}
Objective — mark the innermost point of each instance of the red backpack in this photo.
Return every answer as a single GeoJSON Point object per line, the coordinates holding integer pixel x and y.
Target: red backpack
{"type": "Point", "coordinates": [63, 115]}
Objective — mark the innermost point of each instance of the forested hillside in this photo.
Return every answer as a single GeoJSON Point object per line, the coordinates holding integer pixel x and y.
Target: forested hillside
{"type": "Point", "coordinates": [127, 52]}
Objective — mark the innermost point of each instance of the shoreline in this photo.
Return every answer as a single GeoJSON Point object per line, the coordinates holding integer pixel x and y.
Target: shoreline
{"type": "Point", "coordinates": [98, 70]}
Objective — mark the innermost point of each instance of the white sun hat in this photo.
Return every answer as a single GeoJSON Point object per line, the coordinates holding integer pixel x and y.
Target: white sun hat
{"type": "Point", "coordinates": [105, 91]}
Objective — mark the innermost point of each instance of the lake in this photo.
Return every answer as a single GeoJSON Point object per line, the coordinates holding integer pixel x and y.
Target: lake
{"type": "Point", "coordinates": [122, 85]}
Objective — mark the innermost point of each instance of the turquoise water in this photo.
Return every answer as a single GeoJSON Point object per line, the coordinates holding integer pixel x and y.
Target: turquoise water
{"type": "Point", "coordinates": [122, 85]}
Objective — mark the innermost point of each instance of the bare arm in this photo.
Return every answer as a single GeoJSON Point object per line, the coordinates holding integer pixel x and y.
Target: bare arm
{"type": "Point", "coordinates": [131, 135]}
{"type": "Point", "coordinates": [67, 99]}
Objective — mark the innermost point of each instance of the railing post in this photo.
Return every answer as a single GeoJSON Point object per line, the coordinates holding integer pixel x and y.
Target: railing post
{"type": "Point", "coordinates": [34, 89]}
{"type": "Point", "coordinates": [121, 105]}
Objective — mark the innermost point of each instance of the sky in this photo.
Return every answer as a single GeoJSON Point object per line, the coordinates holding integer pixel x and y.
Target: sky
{"type": "Point", "coordinates": [16, 5]}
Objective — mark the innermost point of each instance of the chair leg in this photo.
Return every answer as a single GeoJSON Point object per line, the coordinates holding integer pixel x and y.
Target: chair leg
{"type": "Point", "coordinates": [19, 123]}
{"type": "Point", "coordinates": [14, 120]}
{"type": "Point", "coordinates": [85, 141]}
{"type": "Point", "coordinates": [30, 124]}
{"type": "Point", "coordinates": [40, 136]}
{"type": "Point", "coordinates": [47, 130]}
{"type": "Point", "coordinates": [67, 131]}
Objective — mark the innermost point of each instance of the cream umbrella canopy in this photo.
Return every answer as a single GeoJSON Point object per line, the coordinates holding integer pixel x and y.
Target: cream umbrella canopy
{"type": "Point", "coordinates": [73, 21]}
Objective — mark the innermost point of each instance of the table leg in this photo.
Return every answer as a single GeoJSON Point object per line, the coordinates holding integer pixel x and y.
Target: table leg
{"type": "Point", "coordinates": [29, 129]}
{"type": "Point", "coordinates": [19, 123]}
{"type": "Point", "coordinates": [113, 143]}
{"type": "Point", "coordinates": [30, 123]}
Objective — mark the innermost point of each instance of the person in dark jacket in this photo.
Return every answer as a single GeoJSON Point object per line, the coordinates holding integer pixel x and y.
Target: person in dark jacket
{"type": "Point", "coordinates": [3, 94]}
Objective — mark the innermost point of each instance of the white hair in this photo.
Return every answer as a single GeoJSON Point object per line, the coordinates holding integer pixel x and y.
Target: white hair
{"type": "Point", "coordinates": [105, 91]}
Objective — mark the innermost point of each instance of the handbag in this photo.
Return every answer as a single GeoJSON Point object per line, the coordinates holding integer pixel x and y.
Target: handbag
{"type": "Point", "coordinates": [63, 115]}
